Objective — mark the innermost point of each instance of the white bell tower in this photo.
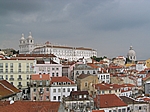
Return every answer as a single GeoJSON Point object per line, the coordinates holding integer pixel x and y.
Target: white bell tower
{"type": "Point", "coordinates": [29, 43]}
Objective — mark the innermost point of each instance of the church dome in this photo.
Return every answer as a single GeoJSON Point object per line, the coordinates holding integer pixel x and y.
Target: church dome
{"type": "Point", "coordinates": [131, 52]}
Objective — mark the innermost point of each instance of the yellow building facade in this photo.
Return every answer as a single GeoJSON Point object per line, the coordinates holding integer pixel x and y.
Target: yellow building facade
{"type": "Point", "coordinates": [17, 71]}
{"type": "Point", "coordinates": [85, 82]}
{"type": "Point", "coordinates": [148, 63]}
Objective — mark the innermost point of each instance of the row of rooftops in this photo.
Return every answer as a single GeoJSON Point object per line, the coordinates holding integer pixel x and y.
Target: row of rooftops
{"type": "Point", "coordinates": [53, 80]}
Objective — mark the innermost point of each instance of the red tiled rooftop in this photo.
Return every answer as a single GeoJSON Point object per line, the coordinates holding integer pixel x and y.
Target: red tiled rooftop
{"type": "Point", "coordinates": [7, 89]}
{"type": "Point", "coordinates": [98, 111]}
{"type": "Point", "coordinates": [108, 101]}
{"type": "Point", "coordinates": [30, 106]}
{"type": "Point", "coordinates": [40, 77]}
{"type": "Point", "coordinates": [61, 79]}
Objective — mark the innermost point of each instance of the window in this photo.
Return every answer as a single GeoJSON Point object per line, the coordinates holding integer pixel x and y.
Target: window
{"type": "Point", "coordinates": [19, 77]}
{"type": "Point", "coordinates": [57, 69]}
{"type": "Point", "coordinates": [54, 90]}
{"type": "Point", "coordinates": [109, 91]}
{"type": "Point", "coordinates": [19, 83]}
{"type": "Point", "coordinates": [1, 77]}
{"type": "Point", "coordinates": [1, 70]}
{"type": "Point", "coordinates": [53, 68]}
{"type": "Point", "coordinates": [47, 83]}
{"type": "Point", "coordinates": [85, 84]}
{"type": "Point", "coordinates": [27, 77]}
{"type": "Point", "coordinates": [64, 90]}
{"type": "Point", "coordinates": [72, 89]}
{"type": "Point", "coordinates": [11, 65]}
{"type": "Point", "coordinates": [27, 83]}
{"type": "Point", "coordinates": [6, 70]}
{"type": "Point", "coordinates": [84, 96]}
{"type": "Point", "coordinates": [107, 76]}
{"type": "Point", "coordinates": [47, 97]}
{"type": "Point", "coordinates": [57, 74]}
{"type": "Point", "coordinates": [80, 96]}
{"type": "Point", "coordinates": [6, 77]}
{"type": "Point", "coordinates": [40, 83]}
{"type": "Point", "coordinates": [11, 70]}
{"type": "Point", "coordinates": [11, 83]}
{"type": "Point", "coordinates": [82, 72]}
{"type": "Point", "coordinates": [1, 65]}
{"type": "Point", "coordinates": [47, 89]}
{"type": "Point", "coordinates": [34, 89]}
{"type": "Point", "coordinates": [123, 110]}
{"type": "Point", "coordinates": [53, 74]}
{"type": "Point", "coordinates": [68, 90]}
{"type": "Point", "coordinates": [54, 97]}
{"type": "Point", "coordinates": [59, 90]}
{"type": "Point", "coordinates": [103, 92]}
{"type": "Point", "coordinates": [6, 65]}
{"type": "Point", "coordinates": [58, 98]}
{"type": "Point", "coordinates": [93, 72]}
{"type": "Point", "coordinates": [77, 73]}
{"type": "Point", "coordinates": [19, 65]}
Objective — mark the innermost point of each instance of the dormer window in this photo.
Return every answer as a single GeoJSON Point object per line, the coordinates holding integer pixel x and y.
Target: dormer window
{"type": "Point", "coordinates": [69, 83]}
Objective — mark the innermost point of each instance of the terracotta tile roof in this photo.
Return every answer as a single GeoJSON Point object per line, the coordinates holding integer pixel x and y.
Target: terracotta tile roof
{"type": "Point", "coordinates": [108, 101]}
{"type": "Point", "coordinates": [93, 65]}
{"type": "Point", "coordinates": [105, 86]}
{"type": "Point", "coordinates": [142, 72]}
{"type": "Point", "coordinates": [30, 106]}
{"type": "Point", "coordinates": [128, 85]}
{"type": "Point", "coordinates": [115, 67]}
{"type": "Point", "coordinates": [40, 77]}
{"type": "Point", "coordinates": [79, 93]}
{"type": "Point", "coordinates": [7, 89]}
{"type": "Point", "coordinates": [61, 79]}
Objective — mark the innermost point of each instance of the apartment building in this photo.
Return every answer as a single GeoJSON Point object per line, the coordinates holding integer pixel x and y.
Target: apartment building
{"type": "Point", "coordinates": [61, 87]}
{"type": "Point", "coordinates": [17, 71]}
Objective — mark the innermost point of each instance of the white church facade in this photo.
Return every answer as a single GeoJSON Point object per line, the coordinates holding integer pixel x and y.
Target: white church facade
{"type": "Point", "coordinates": [27, 46]}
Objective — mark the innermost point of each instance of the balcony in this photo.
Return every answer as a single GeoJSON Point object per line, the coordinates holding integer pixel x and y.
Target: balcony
{"type": "Point", "coordinates": [19, 78]}
{"type": "Point", "coordinates": [19, 86]}
{"type": "Point", "coordinates": [11, 79]}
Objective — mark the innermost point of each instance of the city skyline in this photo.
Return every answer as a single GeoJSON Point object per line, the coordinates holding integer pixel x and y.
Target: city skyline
{"type": "Point", "coordinates": [109, 26]}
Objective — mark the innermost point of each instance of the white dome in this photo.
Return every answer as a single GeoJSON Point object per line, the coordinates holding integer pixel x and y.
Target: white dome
{"type": "Point", "coordinates": [131, 52]}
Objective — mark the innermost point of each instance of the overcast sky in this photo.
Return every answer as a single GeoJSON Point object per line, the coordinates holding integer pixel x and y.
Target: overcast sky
{"type": "Point", "coordinates": [109, 26]}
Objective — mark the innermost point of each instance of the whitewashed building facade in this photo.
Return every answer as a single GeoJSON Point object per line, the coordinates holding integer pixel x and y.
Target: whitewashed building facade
{"type": "Point", "coordinates": [27, 46]}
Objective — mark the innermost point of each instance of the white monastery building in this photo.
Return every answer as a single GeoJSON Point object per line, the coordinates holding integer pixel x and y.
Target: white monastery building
{"type": "Point", "coordinates": [27, 46]}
